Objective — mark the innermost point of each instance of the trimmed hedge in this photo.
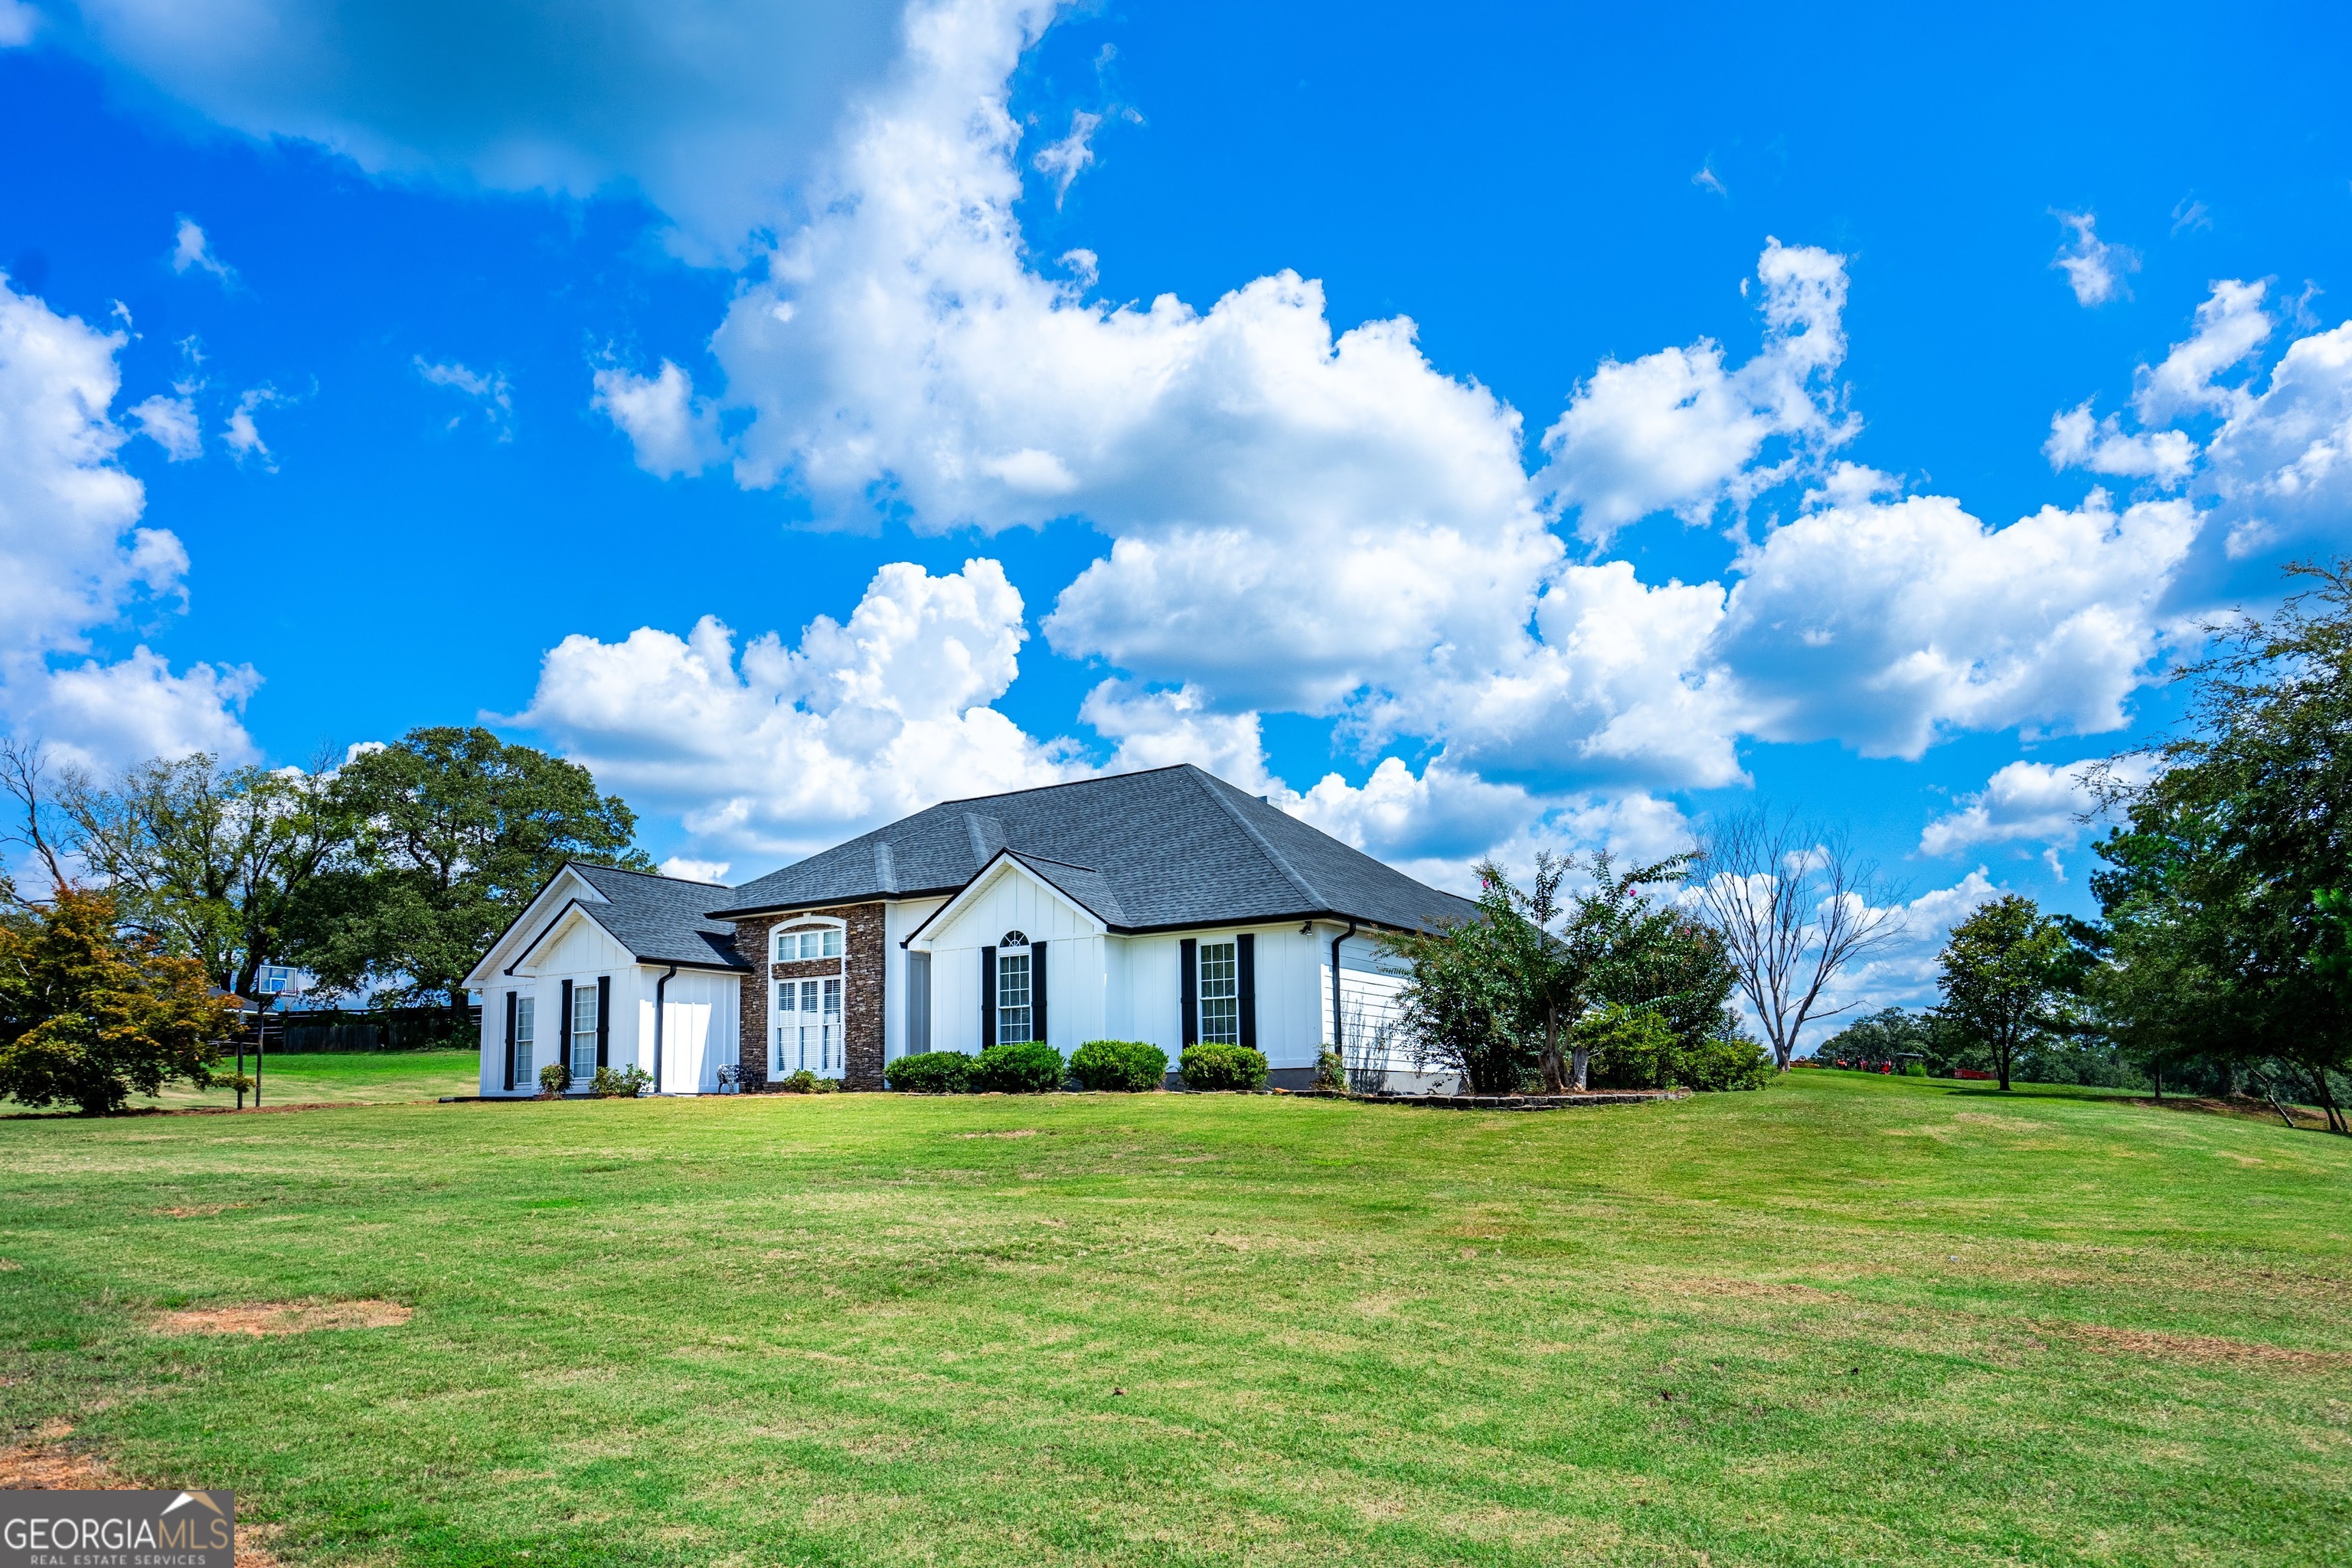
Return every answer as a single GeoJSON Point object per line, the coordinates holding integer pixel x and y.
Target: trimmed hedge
{"type": "Point", "coordinates": [1030, 1067]}
{"type": "Point", "coordinates": [932, 1072]}
{"type": "Point", "coordinates": [1126, 1067]}
{"type": "Point", "coordinates": [1223, 1067]}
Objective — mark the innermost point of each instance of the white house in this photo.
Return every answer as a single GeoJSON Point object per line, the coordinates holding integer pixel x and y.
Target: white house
{"type": "Point", "coordinates": [609, 968]}
{"type": "Point", "coordinates": [1164, 906]}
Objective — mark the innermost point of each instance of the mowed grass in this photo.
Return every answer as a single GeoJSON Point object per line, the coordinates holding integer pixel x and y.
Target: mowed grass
{"type": "Point", "coordinates": [1844, 1321]}
{"type": "Point", "coordinates": [341, 1077]}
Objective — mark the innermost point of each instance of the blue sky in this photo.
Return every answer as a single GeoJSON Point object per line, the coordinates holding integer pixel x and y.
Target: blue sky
{"type": "Point", "coordinates": [365, 366]}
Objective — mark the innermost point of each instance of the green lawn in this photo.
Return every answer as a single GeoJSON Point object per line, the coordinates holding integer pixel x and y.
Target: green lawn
{"type": "Point", "coordinates": [339, 1078]}
{"type": "Point", "coordinates": [1844, 1321]}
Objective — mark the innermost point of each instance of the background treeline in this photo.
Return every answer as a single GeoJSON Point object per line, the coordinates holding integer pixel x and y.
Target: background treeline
{"type": "Point", "coordinates": [386, 875]}
{"type": "Point", "coordinates": [2221, 960]}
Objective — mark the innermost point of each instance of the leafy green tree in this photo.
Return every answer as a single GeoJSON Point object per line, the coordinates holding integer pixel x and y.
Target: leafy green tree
{"type": "Point", "coordinates": [1498, 997]}
{"type": "Point", "coordinates": [2223, 891]}
{"type": "Point", "coordinates": [2002, 972]}
{"type": "Point", "coordinates": [456, 831]}
{"type": "Point", "coordinates": [91, 1013]}
{"type": "Point", "coordinates": [212, 862]}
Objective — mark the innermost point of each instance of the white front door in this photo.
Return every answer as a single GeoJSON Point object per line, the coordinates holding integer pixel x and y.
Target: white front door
{"type": "Point", "coordinates": [808, 1027]}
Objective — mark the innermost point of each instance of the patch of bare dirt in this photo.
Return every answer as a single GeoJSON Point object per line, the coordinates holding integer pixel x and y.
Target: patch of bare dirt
{"type": "Point", "coordinates": [198, 1211]}
{"type": "Point", "coordinates": [2204, 1347]}
{"type": "Point", "coordinates": [261, 1318]}
{"type": "Point", "coordinates": [42, 1465]}
{"type": "Point", "coordinates": [1023, 1132]}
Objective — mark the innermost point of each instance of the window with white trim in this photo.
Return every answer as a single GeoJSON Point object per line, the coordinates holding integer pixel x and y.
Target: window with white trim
{"type": "Point", "coordinates": [808, 1027]}
{"type": "Point", "coordinates": [526, 1031]}
{"type": "Point", "coordinates": [823, 942]}
{"type": "Point", "coordinates": [1221, 993]}
{"type": "Point", "coordinates": [584, 1030]}
{"type": "Point", "coordinates": [1013, 1012]}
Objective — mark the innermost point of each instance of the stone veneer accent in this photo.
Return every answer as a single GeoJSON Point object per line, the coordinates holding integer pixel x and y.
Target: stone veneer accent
{"type": "Point", "coordinates": [862, 949]}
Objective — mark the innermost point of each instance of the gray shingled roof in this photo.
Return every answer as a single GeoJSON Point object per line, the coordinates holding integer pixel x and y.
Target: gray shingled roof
{"type": "Point", "coordinates": [660, 918]}
{"type": "Point", "coordinates": [1170, 849]}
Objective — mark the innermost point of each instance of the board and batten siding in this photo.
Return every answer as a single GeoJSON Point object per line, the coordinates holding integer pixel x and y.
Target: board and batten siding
{"type": "Point", "coordinates": [1148, 999]}
{"type": "Point", "coordinates": [699, 1034]}
{"type": "Point", "coordinates": [581, 952]}
{"type": "Point", "coordinates": [898, 923]}
{"type": "Point", "coordinates": [1015, 900]}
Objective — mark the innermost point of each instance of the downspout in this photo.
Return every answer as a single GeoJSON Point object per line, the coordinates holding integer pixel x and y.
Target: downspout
{"type": "Point", "coordinates": [1338, 1039]}
{"type": "Point", "coordinates": [660, 1011]}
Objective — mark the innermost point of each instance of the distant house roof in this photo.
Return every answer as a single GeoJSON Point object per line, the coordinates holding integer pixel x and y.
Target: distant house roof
{"type": "Point", "coordinates": [659, 920]}
{"type": "Point", "coordinates": [1167, 849]}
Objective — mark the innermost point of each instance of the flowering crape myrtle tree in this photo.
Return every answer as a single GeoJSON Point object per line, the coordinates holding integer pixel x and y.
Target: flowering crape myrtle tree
{"type": "Point", "coordinates": [1793, 908]}
{"type": "Point", "coordinates": [1497, 997]}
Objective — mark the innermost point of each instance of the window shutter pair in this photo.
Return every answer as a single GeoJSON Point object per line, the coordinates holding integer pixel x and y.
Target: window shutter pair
{"type": "Point", "coordinates": [511, 1038]}
{"type": "Point", "coordinates": [1245, 961]}
{"type": "Point", "coordinates": [987, 997]}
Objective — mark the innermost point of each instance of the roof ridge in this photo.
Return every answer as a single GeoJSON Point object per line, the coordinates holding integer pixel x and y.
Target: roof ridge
{"type": "Point", "coordinates": [1209, 783]}
{"type": "Point", "coordinates": [1059, 784]}
{"type": "Point", "coordinates": [650, 876]}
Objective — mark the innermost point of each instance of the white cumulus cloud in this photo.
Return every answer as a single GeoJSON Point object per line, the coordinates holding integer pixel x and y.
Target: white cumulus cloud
{"type": "Point", "coordinates": [1677, 431]}
{"type": "Point", "coordinates": [1062, 161]}
{"type": "Point", "coordinates": [74, 559]}
{"type": "Point", "coordinates": [786, 749]}
{"type": "Point", "coordinates": [171, 424]}
{"type": "Point", "coordinates": [2095, 269]}
{"type": "Point", "coordinates": [2232, 327]}
{"type": "Point", "coordinates": [190, 248]}
{"type": "Point", "coordinates": [1884, 624]}
{"type": "Point", "coordinates": [2079, 440]}
{"type": "Point", "coordinates": [673, 431]}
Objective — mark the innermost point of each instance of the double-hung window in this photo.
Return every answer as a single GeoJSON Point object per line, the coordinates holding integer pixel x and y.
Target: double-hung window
{"type": "Point", "coordinates": [584, 1031]}
{"type": "Point", "coordinates": [1221, 993]}
{"type": "Point", "coordinates": [1013, 1012]}
{"type": "Point", "coordinates": [526, 1031]}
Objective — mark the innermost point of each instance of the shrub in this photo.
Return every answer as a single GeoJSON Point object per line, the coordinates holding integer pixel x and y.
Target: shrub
{"type": "Point", "coordinates": [1721, 1062]}
{"type": "Point", "coordinates": [553, 1080]}
{"type": "Point", "coordinates": [1915, 1070]}
{"type": "Point", "coordinates": [1127, 1067]}
{"type": "Point", "coordinates": [620, 1083]}
{"type": "Point", "coordinates": [1330, 1072]}
{"type": "Point", "coordinates": [932, 1072]}
{"type": "Point", "coordinates": [1031, 1067]}
{"type": "Point", "coordinates": [1633, 1048]}
{"type": "Point", "coordinates": [806, 1082]}
{"type": "Point", "coordinates": [1223, 1067]}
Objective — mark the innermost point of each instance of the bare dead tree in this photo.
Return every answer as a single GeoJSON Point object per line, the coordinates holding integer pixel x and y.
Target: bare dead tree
{"type": "Point", "coordinates": [25, 776]}
{"type": "Point", "coordinates": [1794, 907]}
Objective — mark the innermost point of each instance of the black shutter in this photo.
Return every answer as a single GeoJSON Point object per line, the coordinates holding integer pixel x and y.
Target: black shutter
{"type": "Point", "coordinates": [1245, 953]}
{"type": "Point", "coordinates": [1189, 984]}
{"type": "Point", "coordinates": [987, 997]}
{"type": "Point", "coordinates": [1038, 991]}
{"type": "Point", "coordinates": [604, 1019]}
{"type": "Point", "coordinates": [510, 1043]}
{"type": "Point", "coordinates": [563, 1032]}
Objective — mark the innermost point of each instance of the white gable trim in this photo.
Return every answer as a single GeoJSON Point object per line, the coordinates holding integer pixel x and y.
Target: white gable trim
{"type": "Point", "coordinates": [537, 921]}
{"type": "Point", "coordinates": [1005, 864]}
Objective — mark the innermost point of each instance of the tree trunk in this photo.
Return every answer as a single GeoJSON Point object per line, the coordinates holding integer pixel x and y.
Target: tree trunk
{"type": "Point", "coordinates": [1552, 1077]}
{"type": "Point", "coordinates": [1581, 1056]}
